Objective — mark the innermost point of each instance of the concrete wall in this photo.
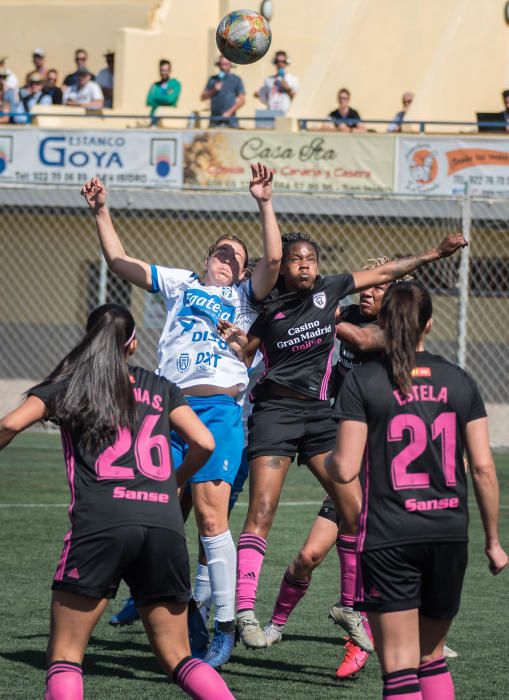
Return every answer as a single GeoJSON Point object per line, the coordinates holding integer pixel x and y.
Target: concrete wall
{"type": "Point", "coordinates": [454, 54]}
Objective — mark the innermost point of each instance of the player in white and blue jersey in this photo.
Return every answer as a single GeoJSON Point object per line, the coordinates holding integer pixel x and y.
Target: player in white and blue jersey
{"type": "Point", "coordinates": [192, 355]}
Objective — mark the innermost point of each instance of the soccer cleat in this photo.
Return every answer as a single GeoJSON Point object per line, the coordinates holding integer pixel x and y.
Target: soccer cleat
{"type": "Point", "coordinates": [221, 647]}
{"type": "Point", "coordinates": [273, 634]}
{"type": "Point", "coordinates": [450, 653]}
{"type": "Point", "coordinates": [198, 632]}
{"type": "Point", "coordinates": [126, 615]}
{"type": "Point", "coordinates": [354, 659]}
{"type": "Point", "coordinates": [351, 621]}
{"type": "Point", "coordinates": [250, 632]}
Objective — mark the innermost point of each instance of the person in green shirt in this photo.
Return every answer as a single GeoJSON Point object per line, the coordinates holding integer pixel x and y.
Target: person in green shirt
{"type": "Point", "coordinates": [164, 93]}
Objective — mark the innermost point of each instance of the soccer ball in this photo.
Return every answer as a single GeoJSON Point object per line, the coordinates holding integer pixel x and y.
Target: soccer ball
{"type": "Point", "coordinates": [243, 36]}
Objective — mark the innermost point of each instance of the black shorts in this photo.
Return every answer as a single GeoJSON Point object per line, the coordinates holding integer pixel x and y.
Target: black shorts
{"type": "Point", "coordinates": [328, 511]}
{"type": "Point", "coordinates": [427, 576]}
{"type": "Point", "coordinates": [282, 426]}
{"type": "Point", "coordinates": [152, 561]}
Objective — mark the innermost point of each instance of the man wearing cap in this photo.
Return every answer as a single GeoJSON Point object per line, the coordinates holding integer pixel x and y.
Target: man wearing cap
{"type": "Point", "coordinates": [8, 95]}
{"type": "Point", "coordinates": [86, 93]}
{"type": "Point", "coordinates": [105, 78]}
{"type": "Point", "coordinates": [226, 94]}
{"type": "Point", "coordinates": [32, 94]}
{"type": "Point", "coordinates": [80, 58]}
{"type": "Point", "coordinates": [39, 60]}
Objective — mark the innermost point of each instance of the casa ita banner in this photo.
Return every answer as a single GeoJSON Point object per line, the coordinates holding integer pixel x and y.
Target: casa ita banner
{"type": "Point", "coordinates": [445, 166]}
{"type": "Point", "coordinates": [119, 158]}
{"type": "Point", "coordinates": [302, 162]}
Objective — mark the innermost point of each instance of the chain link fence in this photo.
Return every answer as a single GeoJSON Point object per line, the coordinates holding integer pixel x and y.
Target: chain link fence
{"type": "Point", "coordinates": [53, 274]}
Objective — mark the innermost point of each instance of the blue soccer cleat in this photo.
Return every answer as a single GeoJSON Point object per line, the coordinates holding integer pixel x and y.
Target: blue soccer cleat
{"type": "Point", "coordinates": [126, 615]}
{"type": "Point", "coordinates": [221, 647]}
{"type": "Point", "coordinates": [198, 632]}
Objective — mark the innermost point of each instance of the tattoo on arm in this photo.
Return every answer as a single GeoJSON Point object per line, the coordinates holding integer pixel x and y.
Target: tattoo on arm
{"type": "Point", "coordinates": [404, 266]}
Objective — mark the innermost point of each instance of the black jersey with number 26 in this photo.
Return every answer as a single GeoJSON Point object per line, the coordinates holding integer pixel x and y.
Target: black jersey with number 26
{"type": "Point", "coordinates": [414, 479]}
{"type": "Point", "coordinates": [298, 338]}
{"type": "Point", "coordinates": [131, 482]}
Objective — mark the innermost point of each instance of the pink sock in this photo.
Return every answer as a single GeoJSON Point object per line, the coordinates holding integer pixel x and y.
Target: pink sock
{"type": "Point", "coordinates": [345, 546]}
{"type": "Point", "coordinates": [436, 681]}
{"type": "Point", "coordinates": [64, 681]}
{"type": "Point", "coordinates": [291, 591]}
{"type": "Point", "coordinates": [200, 681]}
{"type": "Point", "coordinates": [402, 685]}
{"type": "Point", "coordinates": [250, 553]}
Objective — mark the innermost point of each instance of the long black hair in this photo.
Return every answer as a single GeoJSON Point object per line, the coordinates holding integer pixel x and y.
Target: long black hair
{"type": "Point", "coordinates": [406, 309]}
{"type": "Point", "coordinates": [96, 397]}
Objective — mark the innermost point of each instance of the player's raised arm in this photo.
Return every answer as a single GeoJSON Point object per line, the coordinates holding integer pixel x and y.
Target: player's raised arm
{"type": "Point", "coordinates": [403, 266]}
{"type": "Point", "coordinates": [484, 477]}
{"type": "Point", "coordinates": [131, 269]}
{"type": "Point", "coordinates": [31, 411]}
{"type": "Point", "coordinates": [366, 339]}
{"type": "Point", "coordinates": [266, 272]}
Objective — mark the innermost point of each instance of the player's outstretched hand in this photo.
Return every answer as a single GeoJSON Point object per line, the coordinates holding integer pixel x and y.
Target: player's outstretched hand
{"type": "Point", "coordinates": [260, 185]}
{"type": "Point", "coordinates": [236, 338]}
{"type": "Point", "coordinates": [95, 193]}
{"type": "Point", "coordinates": [498, 559]}
{"type": "Point", "coordinates": [451, 244]}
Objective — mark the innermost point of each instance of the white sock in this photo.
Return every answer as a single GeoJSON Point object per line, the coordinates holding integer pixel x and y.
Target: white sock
{"type": "Point", "coordinates": [222, 565]}
{"type": "Point", "coordinates": [202, 593]}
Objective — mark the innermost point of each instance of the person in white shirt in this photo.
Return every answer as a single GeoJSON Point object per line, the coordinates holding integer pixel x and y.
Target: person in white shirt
{"type": "Point", "coordinates": [105, 78]}
{"type": "Point", "coordinates": [11, 81]}
{"type": "Point", "coordinates": [278, 91]}
{"type": "Point", "coordinates": [86, 94]}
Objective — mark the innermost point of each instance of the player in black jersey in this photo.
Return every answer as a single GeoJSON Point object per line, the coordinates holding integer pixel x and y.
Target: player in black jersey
{"type": "Point", "coordinates": [409, 417]}
{"type": "Point", "coordinates": [361, 341]}
{"type": "Point", "coordinates": [292, 412]}
{"type": "Point", "coordinates": [124, 503]}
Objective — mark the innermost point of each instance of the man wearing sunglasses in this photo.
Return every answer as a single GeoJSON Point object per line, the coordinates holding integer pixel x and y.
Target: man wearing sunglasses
{"type": "Point", "coordinates": [278, 91]}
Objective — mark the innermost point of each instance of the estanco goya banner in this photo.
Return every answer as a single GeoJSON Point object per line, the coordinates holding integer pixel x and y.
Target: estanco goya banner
{"type": "Point", "coordinates": [444, 166]}
{"type": "Point", "coordinates": [119, 158]}
{"type": "Point", "coordinates": [305, 161]}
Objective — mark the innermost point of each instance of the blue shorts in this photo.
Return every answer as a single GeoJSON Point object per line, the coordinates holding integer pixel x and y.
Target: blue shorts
{"type": "Point", "coordinates": [240, 479]}
{"type": "Point", "coordinates": [222, 416]}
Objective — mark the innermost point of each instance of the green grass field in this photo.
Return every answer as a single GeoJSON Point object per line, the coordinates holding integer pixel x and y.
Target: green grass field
{"type": "Point", "coordinates": [119, 663]}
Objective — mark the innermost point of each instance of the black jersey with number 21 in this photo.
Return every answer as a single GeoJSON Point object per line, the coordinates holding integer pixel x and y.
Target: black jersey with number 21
{"type": "Point", "coordinates": [414, 479]}
{"type": "Point", "coordinates": [131, 482]}
{"type": "Point", "coordinates": [298, 338]}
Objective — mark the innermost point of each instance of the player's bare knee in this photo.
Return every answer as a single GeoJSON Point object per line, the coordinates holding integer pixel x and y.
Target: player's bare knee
{"type": "Point", "coordinates": [307, 560]}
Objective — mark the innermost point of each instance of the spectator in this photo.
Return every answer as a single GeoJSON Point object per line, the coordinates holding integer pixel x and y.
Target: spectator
{"type": "Point", "coordinates": [344, 117]}
{"type": "Point", "coordinates": [8, 97]}
{"type": "Point", "coordinates": [11, 81]}
{"type": "Point", "coordinates": [30, 96]}
{"type": "Point", "coordinates": [396, 123]}
{"type": "Point", "coordinates": [504, 116]}
{"type": "Point", "coordinates": [86, 94]}
{"type": "Point", "coordinates": [278, 91]}
{"type": "Point", "coordinates": [38, 58]}
{"type": "Point", "coordinates": [80, 58]}
{"type": "Point", "coordinates": [226, 94]}
{"type": "Point", "coordinates": [51, 88]}
{"type": "Point", "coordinates": [105, 78]}
{"type": "Point", "coordinates": [164, 93]}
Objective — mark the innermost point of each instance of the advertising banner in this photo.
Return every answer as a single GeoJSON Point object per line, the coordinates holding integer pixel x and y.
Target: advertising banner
{"type": "Point", "coordinates": [306, 161]}
{"type": "Point", "coordinates": [120, 158]}
{"type": "Point", "coordinates": [445, 166]}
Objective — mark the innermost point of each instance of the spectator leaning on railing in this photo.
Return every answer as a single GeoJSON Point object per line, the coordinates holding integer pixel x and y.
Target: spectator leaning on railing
{"type": "Point", "coordinates": [86, 93]}
{"type": "Point", "coordinates": [105, 78]}
{"type": "Point", "coordinates": [398, 120]}
{"type": "Point", "coordinates": [30, 96]}
{"type": "Point", "coordinates": [504, 116]}
{"type": "Point", "coordinates": [345, 118]}
{"type": "Point", "coordinates": [226, 94]}
{"type": "Point", "coordinates": [164, 93]}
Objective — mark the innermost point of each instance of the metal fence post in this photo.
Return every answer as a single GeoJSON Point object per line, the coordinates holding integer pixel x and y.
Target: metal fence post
{"type": "Point", "coordinates": [463, 280]}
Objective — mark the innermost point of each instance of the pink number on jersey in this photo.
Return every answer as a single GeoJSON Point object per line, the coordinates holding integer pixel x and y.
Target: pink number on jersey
{"type": "Point", "coordinates": [105, 467]}
{"type": "Point", "coordinates": [445, 425]}
{"type": "Point", "coordinates": [401, 479]}
{"type": "Point", "coordinates": [143, 446]}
